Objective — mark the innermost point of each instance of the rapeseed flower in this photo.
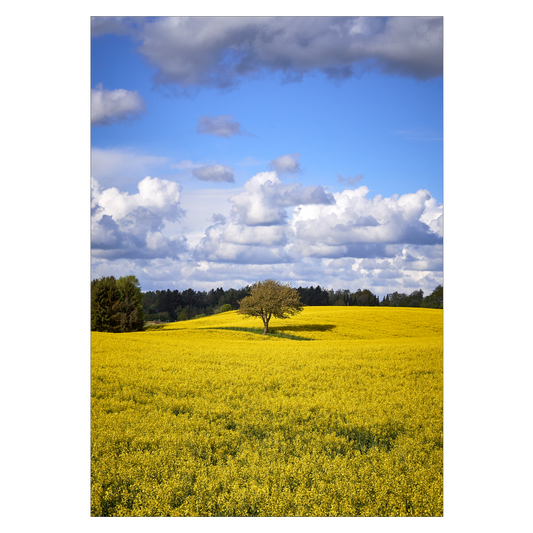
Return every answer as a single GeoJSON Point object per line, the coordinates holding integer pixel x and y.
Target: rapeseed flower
{"type": "Point", "coordinates": [342, 417]}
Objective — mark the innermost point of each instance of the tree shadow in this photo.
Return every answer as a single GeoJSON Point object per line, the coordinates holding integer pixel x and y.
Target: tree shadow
{"type": "Point", "coordinates": [307, 327]}
{"type": "Point", "coordinates": [272, 332]}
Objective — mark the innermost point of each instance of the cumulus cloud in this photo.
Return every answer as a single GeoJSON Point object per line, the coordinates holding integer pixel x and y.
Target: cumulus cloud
{"type": "Point", "coordinates": [109, 107]}
{"type": "Point", "coordinates": [221, 51]}
{"type": "Point", "coordinates": [299, 234]}
{"type": "Point", "coordinates": [265, 199]}
{"type": "Point", "coordinates": [217, 173]}
{"type": "Point", "coordinates": [242, 246]}
{"type": "Point", "coordinates": [286, 164]}
{"type": "Point", "coordinates": [356, 222]}
{"type": "Point", "coordinates": [218, 218]}
{"type": "Point", "coordinates": [131, 226]}
{"type": "Point", "coordinates": [384, 244]}
{"type": "Point", "coordinates": [257, 230]}
{"type": "Point", "coordinates": [219, 126]}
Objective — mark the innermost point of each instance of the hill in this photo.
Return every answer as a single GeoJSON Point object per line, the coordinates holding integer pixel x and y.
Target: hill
{"type": "Point", "coordinates": [343, 417]}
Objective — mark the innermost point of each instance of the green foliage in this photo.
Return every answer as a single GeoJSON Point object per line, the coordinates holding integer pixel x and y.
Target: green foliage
{"type": "Point", "coordinates": [400, 299]}
{"type": "Point", "coordinates": [184, 314]}
{"type": "Point", "coordinates": [163, 317]}
{"type": "Point", "coordinates": [435, 300]}
{"type": "Point", "coordinates": [116, 305]}
{"type": "Point", "coordinates": [268, 299]}
{"type": "Point", "coordinates": [225, 308]}
{"type": "Point", "coordinates": [105, 304]}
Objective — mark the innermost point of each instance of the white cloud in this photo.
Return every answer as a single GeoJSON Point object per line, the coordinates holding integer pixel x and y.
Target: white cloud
{"type": "Point", "coordinates": [161, 196]}
{"type": "Point", "coordinates": [358, 225]}
{"type": "Point", "coordinates": [433, 216]}
{"type": "Point", "coordinates": [108, 107]}
{"type": "Point", "coordinates": [130, 226]}
{"type": "Point", "coordinates": [268, 229]}
{"type": "Point", "coordinates": [265, 199]}
{"type": "Point", "coordinates": [255, 235]}
{"type": "Point", "coordinates": [346, 239]}
{"type": "Point", "coordinates": [257, 231]}
{"type": "Point", "coordinates": [286, 164]}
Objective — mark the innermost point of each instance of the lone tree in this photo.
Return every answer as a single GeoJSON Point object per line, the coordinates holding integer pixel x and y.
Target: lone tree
{"type": "Point", "coordinates": [270, 298]}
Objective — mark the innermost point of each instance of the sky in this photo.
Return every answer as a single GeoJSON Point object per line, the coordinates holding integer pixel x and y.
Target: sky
{"type": "Point", "coordinates": [227, 150]}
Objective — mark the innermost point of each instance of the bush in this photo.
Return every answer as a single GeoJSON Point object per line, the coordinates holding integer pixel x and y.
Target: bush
{"type": "Point", "coordinates": [225, 308]}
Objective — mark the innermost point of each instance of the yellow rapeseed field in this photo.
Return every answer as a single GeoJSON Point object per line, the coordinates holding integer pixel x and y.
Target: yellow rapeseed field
{"type": "Point", "coordinates": [338, 414]}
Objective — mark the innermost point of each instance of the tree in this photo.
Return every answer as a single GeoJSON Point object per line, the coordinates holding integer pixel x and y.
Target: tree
{"type": "Point", "coordinates": [116, 305]}
{"type": "Point", "coordinates": [105, 305]}
{"type": "Point", "coordinates": [415, 298]}
{"type": "Point", "coordinates": [131, 304]}
{"type": "Point", "coordinates": [268, 299]}
{"type": "Point", "coordinates": [435, 299]}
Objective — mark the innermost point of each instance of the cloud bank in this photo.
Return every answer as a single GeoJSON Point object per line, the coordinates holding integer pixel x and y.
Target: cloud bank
{"type": "Point", "coordinates": [322, 225]}
{"type": "Point", "coordinates": [304, 235]}
{"type": "Point", "coordinates": [222, 51]}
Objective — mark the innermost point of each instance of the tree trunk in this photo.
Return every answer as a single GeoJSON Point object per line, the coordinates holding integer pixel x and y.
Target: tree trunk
{"type": "Point", "coordinates": [265, 322]}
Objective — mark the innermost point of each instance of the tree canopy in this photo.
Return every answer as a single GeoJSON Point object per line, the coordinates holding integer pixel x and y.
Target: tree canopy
{"type": "Point", "coordinates": [116, 305]}
{"type": "Point", "coordinates": [268, 299]}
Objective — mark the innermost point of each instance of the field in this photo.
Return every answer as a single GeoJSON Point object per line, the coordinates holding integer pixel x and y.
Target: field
{"type": "Point", "coordinates": [338, 413]}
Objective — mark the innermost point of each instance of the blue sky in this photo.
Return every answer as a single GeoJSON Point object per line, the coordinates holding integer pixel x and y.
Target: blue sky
{"type": "Point", "coordinates": [308, 149]}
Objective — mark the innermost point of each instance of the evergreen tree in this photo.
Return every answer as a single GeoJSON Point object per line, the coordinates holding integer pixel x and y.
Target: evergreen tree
{"type": "Point", "coordinates": [116, 305]}
{"type": "Point", "coordinates": [131, 304]}
{"type": "Point", "coordinates": [105, 305]}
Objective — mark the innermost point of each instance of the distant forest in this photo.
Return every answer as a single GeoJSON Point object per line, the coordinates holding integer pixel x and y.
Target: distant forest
{"type": "Point", "coordinates": [181, 305]}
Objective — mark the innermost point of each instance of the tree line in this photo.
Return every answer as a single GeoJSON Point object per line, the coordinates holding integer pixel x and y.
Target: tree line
{"type": "Point", "coordinates": [118, 305]}
{"type": "Point", "coordinates": [178, 305]}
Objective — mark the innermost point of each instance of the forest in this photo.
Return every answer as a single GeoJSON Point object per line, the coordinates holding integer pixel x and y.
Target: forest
{"type": "Point", "coordinates": [178, 305]}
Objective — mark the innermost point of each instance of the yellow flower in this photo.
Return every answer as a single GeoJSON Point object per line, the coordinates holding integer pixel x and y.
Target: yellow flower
{"type": "Point", "coordinates": [342, 416]}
